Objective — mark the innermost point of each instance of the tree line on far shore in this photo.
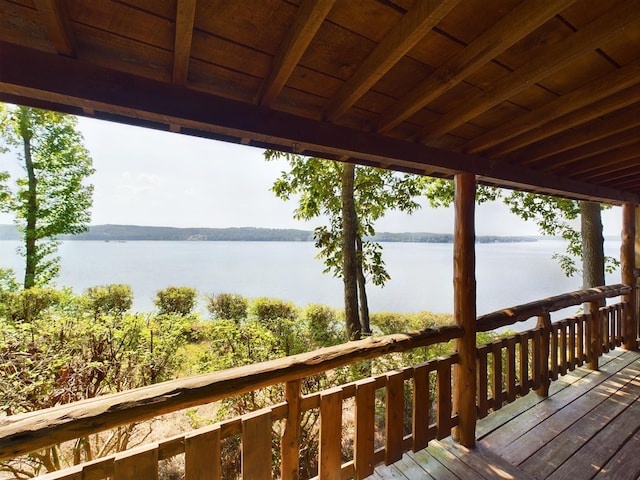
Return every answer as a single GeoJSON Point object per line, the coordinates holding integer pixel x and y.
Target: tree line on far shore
{"type": "Point", "coordinates": [124, 233]}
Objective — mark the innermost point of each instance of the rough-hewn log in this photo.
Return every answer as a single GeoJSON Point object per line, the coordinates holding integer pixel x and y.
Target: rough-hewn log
{"type": "Point", "coordinates": [628, 261]}
{"type": "Point", "coordinates": [464, 307]}
{"type": "Point", "coordinates": [520, 313]}
{"type": "Point", "coordinates": [24, 433]}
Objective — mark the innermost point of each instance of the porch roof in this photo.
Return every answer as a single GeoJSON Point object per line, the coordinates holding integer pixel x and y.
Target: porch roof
{"type": "Point", "coordinates": [540, 96]}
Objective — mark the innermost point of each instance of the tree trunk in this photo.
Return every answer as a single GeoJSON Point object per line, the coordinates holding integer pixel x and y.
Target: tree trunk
{"type": "Point", "coordinates": [32, 203]}
{"type": "Point", "coordinates": [365, 324]}
{"type": "Point", "coordinates": [349, 257]}
{"type": "Point", "coordinates": [592, 245]}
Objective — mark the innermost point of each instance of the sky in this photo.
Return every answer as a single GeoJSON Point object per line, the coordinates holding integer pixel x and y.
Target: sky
{"type": "Point", "coordinates": [149, 177]}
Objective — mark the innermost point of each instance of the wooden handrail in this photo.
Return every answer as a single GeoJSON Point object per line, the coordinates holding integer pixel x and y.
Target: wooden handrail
{"type": "Point", "coordinates": [24, 433]}
{"type": "Point", "coordinates": [520, 313]}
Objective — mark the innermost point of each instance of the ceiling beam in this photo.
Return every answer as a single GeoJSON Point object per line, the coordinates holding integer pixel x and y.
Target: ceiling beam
{"type": "Point", "coordinates": [589, 132]}
{"type": "Point", "coordinates": [310, 15]}
{"type": "Point", "coordinates": [563, 123]}
{"type": "Point", "coordinates": [185, 17]}
{"type": "Point", "coordinates": [405, 34]}
{"type": "Point", "coordinates": [514, 26]}
{"type": "Point", "coordinates": [58, 26]}
{"type": "Point", "coordinates": [603, 145]}
{"type": "Point", "coordinates": [132, 99]}
{"type": "Point", "coordinates": [593, 91]}
{"type": "Point", "coordinates": [547, 61]}
{"type": "Point", "coordinates": [603, 164]}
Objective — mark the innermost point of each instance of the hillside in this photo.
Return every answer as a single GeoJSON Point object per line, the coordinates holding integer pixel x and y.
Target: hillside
{"type": "Point", "coordinates": [124, 233]}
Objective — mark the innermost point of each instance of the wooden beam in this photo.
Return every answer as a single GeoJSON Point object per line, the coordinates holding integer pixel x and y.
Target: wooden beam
{"type": "Point", "coordinates": [311, 14]}
{"type": "Point", "coordinates": [605, 163]}
{"type": "Point", "coordinates": [597, 129]}
{"type": "Point", "coordinates": [580, 97]}
{"type": "Point", "coordinates": [402, 38]}
{"type": "Point", "coordinates": [603, 145]}
{"type": "Point", "coordinates": [547, 61]}
{"type": "Point", "coordinates": [627, 261]}
{"type": "Point", "coordinates": [464, 308]}
{"type": "Point", "coordinates": [514, 26]}
{"type": "Point", "coordinates": [127, 98]}
{"type": "Point", "coordinates": [58, 26]}
{"type": "Point", "coordinates": [563, 123]}
{"type": "Point", "coordinates": [185, 17]}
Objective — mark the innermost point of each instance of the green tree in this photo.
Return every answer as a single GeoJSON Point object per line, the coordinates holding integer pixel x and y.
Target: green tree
{"type": "Point", "coordinates": [53, 198]}
{"type": "Point", "coordinates": [352, 198]}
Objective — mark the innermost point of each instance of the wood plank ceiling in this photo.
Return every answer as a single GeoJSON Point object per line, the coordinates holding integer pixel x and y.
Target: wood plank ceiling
{"type": "Point", "coordinates": [537, 95]}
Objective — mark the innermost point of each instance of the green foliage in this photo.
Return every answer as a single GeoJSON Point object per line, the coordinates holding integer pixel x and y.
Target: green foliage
{"type": "Point", "coordinates": [52, 199]}
{"type": "Point", "coordinates": [228, 306]}
{"type": "Point", "coordinates": [114, 299]}
{"type": "Point", "coordinates": [317, 183]}
{"type": "Point", "coordinates": [176, 300]}
{"type": "Point", "coordinates": [57, 348]}
{"type": "Point", "coordinates": [323, 328]}
{"type": "Point", "coordinates": [29, 305]}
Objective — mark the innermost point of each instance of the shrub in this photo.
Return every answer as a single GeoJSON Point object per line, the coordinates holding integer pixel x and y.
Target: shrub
{"type": "Point", "coordinates": [228, 306]}
{"type": "Point", "coordinates": [114, 299]}
{"type": "Point", "coordinates": [28, 305]}
{"type": "Point", "coordinates": [176, 300]}
{"type": "Point", "coordinates": [323, 327]}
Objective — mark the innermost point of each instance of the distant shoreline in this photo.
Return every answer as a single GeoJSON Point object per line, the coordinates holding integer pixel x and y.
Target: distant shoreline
{"type": "Point", "coordinates": [126, 233]}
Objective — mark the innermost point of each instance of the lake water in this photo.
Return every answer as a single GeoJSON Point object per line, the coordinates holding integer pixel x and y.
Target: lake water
{"type": "Point", "coordinates": [421, 273]}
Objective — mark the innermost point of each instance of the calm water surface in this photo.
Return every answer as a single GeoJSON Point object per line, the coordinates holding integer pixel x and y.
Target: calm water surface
{"type": "Point", "coordinates": [421, 273]}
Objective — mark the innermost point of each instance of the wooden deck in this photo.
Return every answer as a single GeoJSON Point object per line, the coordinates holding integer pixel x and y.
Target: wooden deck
{"type": "Point", "coordinates": [588, 427]}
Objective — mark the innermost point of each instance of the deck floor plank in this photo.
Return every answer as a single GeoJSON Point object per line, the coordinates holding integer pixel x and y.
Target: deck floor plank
{"type": "Point", "coordinates": [500, 439]}
{"type": "Point", "coordinates": [555, 452]}
{"type": "Point", "coordinates": [431, 465]}
{"type": "Point", "coordinates": [588, 427]}
{"type": "Point", "coordinates": [412, 470]}
{"type": "Point", "coordinates": [625, 464]}
{"type": "Point", "coordinates": [571, 415]}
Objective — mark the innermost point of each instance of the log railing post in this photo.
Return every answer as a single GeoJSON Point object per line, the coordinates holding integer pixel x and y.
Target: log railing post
{"type": "Point", "coordinates": [544, 324]}
{"type": "Point", "coordinates": [628, 260]}
{"type": "Point", "coordinates": [290, 442]}
{"type": "Point", "coordinates": [596, 335]}
{"type": "Point", "coordinates": [464, 287]}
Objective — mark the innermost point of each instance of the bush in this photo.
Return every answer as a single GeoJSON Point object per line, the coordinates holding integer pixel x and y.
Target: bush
{"type": "Point", "coordinates": [323, 327]}
{"type": "Point", "coordinates": [28, 305]}
{"type": "Point", "coordinates": [228, 306]}
{"type": "Point", "coordinates": [114, 299]}
{"type": "Point", "coordinates": [176, 300]}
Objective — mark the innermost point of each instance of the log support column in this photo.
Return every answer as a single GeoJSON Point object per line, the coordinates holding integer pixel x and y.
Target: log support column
{"type": "Point", "coordinates": [628, 260]}
{"type": "Point", "coordinates": [464, 305]}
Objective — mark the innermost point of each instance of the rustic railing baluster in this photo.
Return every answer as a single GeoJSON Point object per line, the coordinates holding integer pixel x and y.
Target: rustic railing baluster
{"type": "Point", "coordinates": [290, 443]}
{"type": "Point", "coordinates": [496, 378]}
{"type": "Point", "coordinates": [365, 427]}
{"type": "Point", "coordinates": [443, 405]}
{"type": "Point", "coordinates": [544, 326]}
{"type": "Point", "coordinates": [421, 407]}
{"type": "Point", "coordinates": [202, 454]}
{"type": "Point", "coordinates": [482, 383]}
{"type": "Point", "coordinates": [330, 434]}
{"type": "Point", "coordinates": [256, 446]}
{"type": "Point", "coordinates": [512, 391]}
{"type": "Point", "coordinates": [394, 422]}
{"type": "Point", "coordinates": [136, 464]}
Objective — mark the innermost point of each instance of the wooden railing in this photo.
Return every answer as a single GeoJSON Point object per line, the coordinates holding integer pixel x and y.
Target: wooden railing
{"type": "Point", "coordinates": [507, 368]}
